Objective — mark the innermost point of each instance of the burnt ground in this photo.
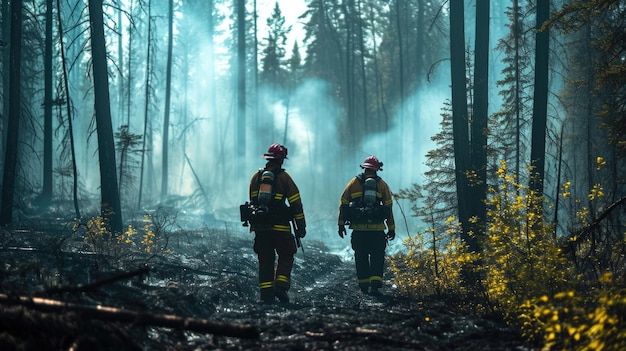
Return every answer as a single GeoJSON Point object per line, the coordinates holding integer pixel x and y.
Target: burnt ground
{"type": "Point", "coordinates": [215, 280]}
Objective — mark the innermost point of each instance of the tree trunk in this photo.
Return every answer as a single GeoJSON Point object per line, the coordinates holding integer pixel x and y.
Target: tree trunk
{"type": "Point", "coordinates": [540, 101]}
{"type": "Point", "coordinates": [69, 112]}
{"type": "Point", "coordinates": [120, 76]}
{"type": "Point", "coordinates": [460, 119]}
{"type": "Point", "coordinates": [129, 80]}
{"type": "Point", "coordinates": [4, 8]}
{"type": "Point", "coordinates": [362, 47]}
{"type": "Point", "coordinates": [400, 104]}
{"type": "Point", "coordinates": [480, 116]}
{"type": "Point", "coordinates": [240, 139]}
{"type": "Point", "coordinates": [110, 197]}
{"type": "Point", "coordinates": [258, 142]}
{"type": "Point", "coordinates": [146, 108]}
{"type": "Point", "coordinates": [518, 87]}
{"type": "Point", "coordinates": [13, 128]}
{"type": "Point", "coordinates": [168, 92]}
{"type": "Point", "coordinates": [349, 75]}
{"type": "Point", "coordinates": [46, 191]}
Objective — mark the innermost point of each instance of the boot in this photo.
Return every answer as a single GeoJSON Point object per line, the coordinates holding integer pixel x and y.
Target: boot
{"type": "Point", "coordinates": [282, 296]}
{"type": "Point", "coordinates": [374, 291]}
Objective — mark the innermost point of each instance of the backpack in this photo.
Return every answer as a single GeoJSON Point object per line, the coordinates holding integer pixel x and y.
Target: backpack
{"type": "Point", "coordinates": [264, 208]}
{"type": "Point", "coordinates": [368, 208]}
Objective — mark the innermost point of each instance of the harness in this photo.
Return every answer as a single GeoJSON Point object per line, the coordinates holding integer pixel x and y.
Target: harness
{"type": "Point", "coordinates": [267, 207]}
{"type": "Point", "coordinates": [368, 208]}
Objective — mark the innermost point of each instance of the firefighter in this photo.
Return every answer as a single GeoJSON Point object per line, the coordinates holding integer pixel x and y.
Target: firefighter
{"type": "Point", "coordinates": [366, 207]}
{"type": "Point", "coordinates": [273, 233]}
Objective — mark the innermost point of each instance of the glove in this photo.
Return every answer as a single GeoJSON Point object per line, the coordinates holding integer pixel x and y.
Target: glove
{"type": "Point", "coordinates": [342, 230]}
{"type": "Point", "coordinates": [391, 234]}
{"type": "Point", "coordinates": [301, 233]}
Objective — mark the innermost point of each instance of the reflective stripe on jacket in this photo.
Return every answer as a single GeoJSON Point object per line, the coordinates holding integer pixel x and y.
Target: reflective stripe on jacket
{"type": "Point", "coordinates": [285, 189]}
{"type": "Point", "coordinates": [353, 191]}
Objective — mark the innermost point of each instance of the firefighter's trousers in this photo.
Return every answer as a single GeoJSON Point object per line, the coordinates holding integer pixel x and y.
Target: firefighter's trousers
{"type": "Point", "coordinates": [272, 274]}
{"type": "Point", "coordinates": [369, 256]}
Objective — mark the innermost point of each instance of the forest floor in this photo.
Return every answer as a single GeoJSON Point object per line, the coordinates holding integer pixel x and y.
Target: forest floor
{"type": "Point", "coordinates": [210, 277]}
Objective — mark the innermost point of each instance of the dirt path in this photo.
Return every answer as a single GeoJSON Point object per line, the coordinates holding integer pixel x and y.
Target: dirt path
{"type": "Point", "coordinates": [334, 315]}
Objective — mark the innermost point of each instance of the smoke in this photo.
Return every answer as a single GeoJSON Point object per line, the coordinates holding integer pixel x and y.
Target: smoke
{"type": "Point", "coordinates": [307, 125]}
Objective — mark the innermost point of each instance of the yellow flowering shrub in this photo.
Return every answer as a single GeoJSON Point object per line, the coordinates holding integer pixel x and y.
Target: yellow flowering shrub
{"type": "Point", "coordinates": [556, 299]}
{"type": "Point", "coordinates": [522, 257]}
{"type": "Point", "coordinates": [570, 320]}
{"type": "Point", "coordinates": [103, 241]}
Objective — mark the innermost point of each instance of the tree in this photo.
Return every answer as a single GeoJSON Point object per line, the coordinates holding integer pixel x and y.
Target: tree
{"type": "Point", "coordinates": [5, 57]}
{"type": "Point", "coordinates": [295, 65]}
{"type": "Point", "coordinates": [480, 117]}
{"type": "Point", "coordinates": [15, 100]}
{"type": "Point", "coordinates": [168, 92]}
{"type": "Point", "coordinates": [540, 100]}
{"type": "Point", "coordinates": [46, 192]}
{"type": "Point", "coordinates": [147, 131]}
{"type": "Point", "coordinates": [508, 129]}
{"type": "Point", "coordinates": [594, 100]}
{"type": "Point", "coordinates": [110, 197]}
{"type": "Point", "coordinates": [460, 120]}
{"type": "Point", "coordinates": [66, 92]}
{"type": "Point", "coordinates": [240, 139]}
{"type": "Point", "coordinates": [273, 72]}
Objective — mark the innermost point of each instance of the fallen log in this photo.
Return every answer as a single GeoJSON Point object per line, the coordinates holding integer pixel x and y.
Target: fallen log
{"type": "Point", "coordinates": [582, 234]}
{"type": "Point", "coordinates": [114, 314]}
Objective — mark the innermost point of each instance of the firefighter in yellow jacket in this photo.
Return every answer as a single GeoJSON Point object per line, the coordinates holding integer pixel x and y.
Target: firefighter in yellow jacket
{"type": "Point", "coordinates": [366, 206]}
{"type": "Point", "coordinates": [270, 187]}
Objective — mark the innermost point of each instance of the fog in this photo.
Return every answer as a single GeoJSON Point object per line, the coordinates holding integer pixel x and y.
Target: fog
{"type": "Point", "coordinates": [203, 155]}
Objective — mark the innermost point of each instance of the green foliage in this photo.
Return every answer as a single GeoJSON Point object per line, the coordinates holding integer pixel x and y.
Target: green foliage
{"type": "Point", "coordinates": [432, 265]}
{"type": "Point", "coordinates": [522, 263]}
{"type": "Point", "coordinates": [523, 258]}
{"type": "Point", "coordinates": [573, 321]}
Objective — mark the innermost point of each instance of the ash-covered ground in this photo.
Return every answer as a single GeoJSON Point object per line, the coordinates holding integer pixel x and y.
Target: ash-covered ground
{"type": "Point", "coordinates": [212, 275]}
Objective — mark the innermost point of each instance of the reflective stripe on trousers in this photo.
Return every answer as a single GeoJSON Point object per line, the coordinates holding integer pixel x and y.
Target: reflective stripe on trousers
{"type": "Point", "coordinates": [369, 257]}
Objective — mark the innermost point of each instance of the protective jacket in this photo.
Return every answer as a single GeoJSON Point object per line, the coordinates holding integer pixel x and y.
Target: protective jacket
{"type": "Point", "coordinates": [285, 189]}
{"type": "Point", "coordinates": [354, 192]}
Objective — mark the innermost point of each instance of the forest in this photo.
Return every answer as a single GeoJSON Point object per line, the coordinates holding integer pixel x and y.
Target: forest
{"type": "Point", "coordinates": [129, 131]}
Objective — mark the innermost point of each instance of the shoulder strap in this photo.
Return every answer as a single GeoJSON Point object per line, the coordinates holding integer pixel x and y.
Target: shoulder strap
{"type": "Point", "coordinates": [258, 176]}
{"type": "Point", "coordinates": [361, 178]}
{"type": "Point", "coordinates": [261, 170]}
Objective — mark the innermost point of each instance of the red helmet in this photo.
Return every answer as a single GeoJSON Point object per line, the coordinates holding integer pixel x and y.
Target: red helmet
{"type": "Point", "coordinates": [275, 152]}
{"type": "Point", "coordinates": [372, 162]}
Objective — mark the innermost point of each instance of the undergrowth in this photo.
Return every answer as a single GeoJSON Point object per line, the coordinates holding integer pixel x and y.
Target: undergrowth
{"type": "Point", "coordinates": [563, 293]}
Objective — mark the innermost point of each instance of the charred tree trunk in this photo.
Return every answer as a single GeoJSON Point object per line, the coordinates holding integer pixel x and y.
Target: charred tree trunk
{"type": "Point", "coordinates": [46, 191]}
{"type": "Point", "coordinates": [146, 108]}
{"type": "Point", "coordinates": [240, 139]}
{"type": "Point", "coordinates": [129, 80]}
{"type": "Point", "coordinates": [69, 112]}
{"type": "Point", "coordinates": [168, 92]}
{"type": "Point", "coordinates": [480, 116]}
{"type": "Point", "coordinates": [110, 199]}
{"type": "Point", "coordinates": [13, 128]}
{"type": "Point", "coordinates": [257, 145]}
{"type": "Point", "coordinates": [460, 121]}
{"type": "Point", "coordinates": [362, 48]}
{"type": "Point", "coordinates": [4, 8]}
{"type": "Point", "coordinates": [540, 101]}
